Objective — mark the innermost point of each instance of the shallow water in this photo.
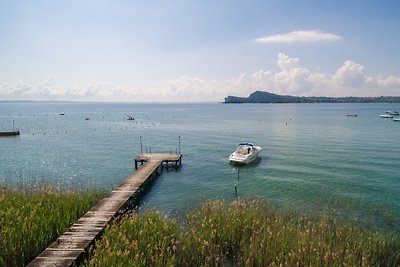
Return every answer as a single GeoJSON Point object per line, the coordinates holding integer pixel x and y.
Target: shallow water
{"type": "Point", "coordinates": [315, 157]}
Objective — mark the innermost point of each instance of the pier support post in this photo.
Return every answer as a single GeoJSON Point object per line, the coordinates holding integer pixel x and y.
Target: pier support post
{"type": "Point", "coordinates": [179, 145]}
{"type": "Point", "coordinates": [141, 145]}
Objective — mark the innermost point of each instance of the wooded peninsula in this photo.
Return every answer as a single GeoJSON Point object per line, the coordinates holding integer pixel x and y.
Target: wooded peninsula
{"type": "Point", "coordinates": [267, 97]}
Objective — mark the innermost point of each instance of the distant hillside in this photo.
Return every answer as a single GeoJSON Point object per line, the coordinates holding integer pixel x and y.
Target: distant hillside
{"type": "Point", "coordinates": [266, 97]}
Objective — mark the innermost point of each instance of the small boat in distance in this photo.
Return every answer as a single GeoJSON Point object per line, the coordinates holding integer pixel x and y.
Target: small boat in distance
{"type": "Point", "coordinates": [396, 120]}
{"type": "Point", "coordinates": [352, 115]}
{"type": "Point", "coordinates": [389, 114]}
{"type": "Point", "coordinates": [386, 116]}
{"type": "Point", "coordinates": [394, 112]}
{"type": "Point", "coordinates": [245, 153]}
{"type": "Point", "coordinates": [130, 118]}
{"type": "Point", "coordinates": [87, 119]}
{"type": "Point", "coordinates": [61, 114]}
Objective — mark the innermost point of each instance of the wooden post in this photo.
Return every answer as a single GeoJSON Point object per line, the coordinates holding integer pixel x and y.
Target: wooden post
{"type": "Point", "coordinates": [236, 191]}
{"type": "Point", "coordinates": [141, 145]}
{"type": "Point", "coordinates": [179, 145]}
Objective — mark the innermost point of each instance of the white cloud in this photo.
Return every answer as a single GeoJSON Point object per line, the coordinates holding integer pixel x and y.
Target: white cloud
{"type": "Point", "coordinates": [285, 63]}
{"type": "Point", "coordinates": [292, 78]}
{"type": "Point", "coordinates": [350, 74]}
{"type": "Point", "coordinates": [388, 82]}
{"type": "Point", "coordinates": [299, 37]}
{"type": "Point", "coordinates": [350, 79]}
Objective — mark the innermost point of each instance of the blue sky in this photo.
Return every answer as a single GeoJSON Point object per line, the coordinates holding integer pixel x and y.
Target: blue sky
{"type": "Point", "coordinates": [196, 51]}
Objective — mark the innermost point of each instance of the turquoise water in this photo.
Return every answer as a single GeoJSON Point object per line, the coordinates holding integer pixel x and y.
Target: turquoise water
{"type": "Point", "coordinates": [315, 157]}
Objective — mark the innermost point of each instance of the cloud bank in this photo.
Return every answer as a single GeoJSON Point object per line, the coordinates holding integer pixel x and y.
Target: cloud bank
{"type": "Point", "coordinates": [299, 37]}
{"type": "Point", "coordinates": [350, 79]}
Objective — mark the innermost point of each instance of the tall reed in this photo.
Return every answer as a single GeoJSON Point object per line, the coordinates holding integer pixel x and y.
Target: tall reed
{"type": "Point", "coordinates": [243, 233]}
{"type": "Point", "coordinates": [31, 220]}
{"type": "Point", "coordinates": [139, 241]}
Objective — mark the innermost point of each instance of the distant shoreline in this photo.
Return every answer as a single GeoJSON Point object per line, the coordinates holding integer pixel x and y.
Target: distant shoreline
{"type": "Point", "coordinates": [267, 97]}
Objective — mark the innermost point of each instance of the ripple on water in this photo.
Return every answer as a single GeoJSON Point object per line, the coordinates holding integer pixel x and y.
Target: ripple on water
{"type": "Point", "coordinates": [314, 157]}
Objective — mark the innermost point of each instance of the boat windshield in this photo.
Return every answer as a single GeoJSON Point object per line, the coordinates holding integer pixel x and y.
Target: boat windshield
{"type": "Point", "coordinates": [243, 150]}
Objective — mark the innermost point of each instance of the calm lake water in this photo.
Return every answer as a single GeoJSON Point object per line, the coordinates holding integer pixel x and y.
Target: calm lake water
{"type": "Point", "coordinates": [315, 158]}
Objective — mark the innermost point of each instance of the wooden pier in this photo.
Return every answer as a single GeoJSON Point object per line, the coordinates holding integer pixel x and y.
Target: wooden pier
{"type": "Point", "coordinates": [70, 248]}
{"type": "Point", "coordinates": [9, 133]}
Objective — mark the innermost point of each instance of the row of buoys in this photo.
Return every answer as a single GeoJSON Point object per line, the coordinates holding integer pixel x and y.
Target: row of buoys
{"type": "Point", "coordinates": [144, 124]}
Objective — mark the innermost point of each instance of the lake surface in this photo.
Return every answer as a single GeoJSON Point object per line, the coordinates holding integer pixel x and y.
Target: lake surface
{"type": "Point", "coordinates": [315, 158]}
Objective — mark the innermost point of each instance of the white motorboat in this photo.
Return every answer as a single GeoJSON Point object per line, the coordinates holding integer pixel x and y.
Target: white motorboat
{"type": "Point", "coordinates": [394, 112]}
{"type": "Point", "coordinates": [245, 153]}
{"type": "Point", "coordinates": [396, 120]}
{"type": "Point", "coordinates": [386, 116]}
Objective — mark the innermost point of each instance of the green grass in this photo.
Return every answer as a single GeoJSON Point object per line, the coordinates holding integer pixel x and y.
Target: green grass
{"type": "Point", "coordinates": [242, 233]}
{"type": "Point", "coordinates": [31, 219]}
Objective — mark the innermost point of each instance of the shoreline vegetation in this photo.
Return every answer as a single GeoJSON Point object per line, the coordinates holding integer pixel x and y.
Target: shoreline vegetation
{"type": "Point", "coordinates": [267, 97]}
{"type": "Point", "coordinates": [244, 232]}
{"type": "Point", "coordinates": [31, 219]}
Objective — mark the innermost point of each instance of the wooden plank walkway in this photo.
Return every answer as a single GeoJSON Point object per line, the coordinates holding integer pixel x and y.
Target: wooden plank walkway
{"type": "Point", "coordinates": [165, 158]}
{"type": "Point", "coordinates": [71, 246]}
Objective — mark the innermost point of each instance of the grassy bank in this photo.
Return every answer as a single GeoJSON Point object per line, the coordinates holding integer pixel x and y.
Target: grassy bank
{"type": "Point", "coordinates": [244, 233]}
{"type": "Point", "coordinates": [31, 220]}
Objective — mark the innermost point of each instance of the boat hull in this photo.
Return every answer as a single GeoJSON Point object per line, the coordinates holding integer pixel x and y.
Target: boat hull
{"type": "Point", "coordinates": [386, 116]}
